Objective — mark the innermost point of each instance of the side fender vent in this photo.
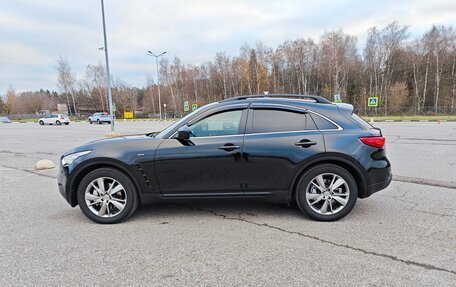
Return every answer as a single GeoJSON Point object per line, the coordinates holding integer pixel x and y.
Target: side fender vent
{"type": "Point", "coordinates": [144, 175]}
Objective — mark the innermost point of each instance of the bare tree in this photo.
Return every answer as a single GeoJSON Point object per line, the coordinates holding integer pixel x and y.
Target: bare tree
{"type": "Point", "coordinates": [66, 82]}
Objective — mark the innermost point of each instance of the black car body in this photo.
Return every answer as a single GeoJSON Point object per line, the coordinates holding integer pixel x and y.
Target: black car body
{"type": "Point", "coordinates": [253, 146]}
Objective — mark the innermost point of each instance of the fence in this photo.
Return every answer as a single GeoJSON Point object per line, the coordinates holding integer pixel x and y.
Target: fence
{"type": "Point", "coordinates": [407, 111]}
{"type": "Point", "coordinates": [23, 116]}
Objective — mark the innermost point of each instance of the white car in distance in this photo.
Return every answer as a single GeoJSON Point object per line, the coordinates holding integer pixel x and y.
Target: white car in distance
{"type": "Point", "coordinates": [100, 117]}
{"type": "Point", "coordinates": [56, 119]}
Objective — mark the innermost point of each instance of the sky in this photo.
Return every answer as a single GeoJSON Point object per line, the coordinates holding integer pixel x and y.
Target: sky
{"type": "Point", "coordinates": [34, 34]}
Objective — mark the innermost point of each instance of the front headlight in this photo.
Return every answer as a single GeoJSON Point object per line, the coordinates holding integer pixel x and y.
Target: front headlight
{"type": "Point", "coordinates": [67, 160]}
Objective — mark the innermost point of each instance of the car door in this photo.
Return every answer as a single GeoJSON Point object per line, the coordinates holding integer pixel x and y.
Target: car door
{"type": "Point", "coordinates": [208, 163]}
{"type": "Point", "coordinates": [278, 141]}
{"type": "Point", "coordinates": [48, 119]}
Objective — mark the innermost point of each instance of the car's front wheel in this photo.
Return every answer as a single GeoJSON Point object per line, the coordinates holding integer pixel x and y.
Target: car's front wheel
{"type": "Point", "coordinates": [326, 192]}
{"type": "Point", "coordinates": [41, 123]}
{"type": "Point", "coordinates": [107, 195]}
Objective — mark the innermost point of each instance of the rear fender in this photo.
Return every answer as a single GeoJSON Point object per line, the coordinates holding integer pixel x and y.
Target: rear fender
{"type": "Point", "coordinates": [347, 162]}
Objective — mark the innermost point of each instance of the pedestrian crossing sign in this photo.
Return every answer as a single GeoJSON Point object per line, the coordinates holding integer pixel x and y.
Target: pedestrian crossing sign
{"type": "Point", "coordinates": [372, 102]}
{"type": "Point", "coordinates": [186, 106]}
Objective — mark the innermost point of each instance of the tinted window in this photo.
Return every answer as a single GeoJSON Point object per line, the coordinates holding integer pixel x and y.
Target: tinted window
{"type": "Point", "coordinates": [361, 122]}
{"type": "Point", "coordinates": [221, 124]}
{"type": "Point", "coordinates": [267, 121]}
{"type": "Point", "coordinates": [322, 123]}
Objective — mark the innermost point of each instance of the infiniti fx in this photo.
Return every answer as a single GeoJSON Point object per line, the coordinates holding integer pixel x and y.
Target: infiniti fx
{"type": "Point", "coordinates": [284, 148]}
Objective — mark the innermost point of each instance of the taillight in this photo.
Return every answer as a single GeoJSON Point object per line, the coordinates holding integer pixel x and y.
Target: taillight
{"type": "Point", "coordinates": [62, 118]}
{"type": "Point", "coordinates": [378, 142]}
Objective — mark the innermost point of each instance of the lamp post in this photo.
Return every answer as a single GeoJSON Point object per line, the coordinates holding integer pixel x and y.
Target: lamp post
{"type": "Point", "coordinates": [164, 106]}
{"type": "Point", "coordinates": [108, 76]}
{"type": "Point", "coordinates": [158, 79]}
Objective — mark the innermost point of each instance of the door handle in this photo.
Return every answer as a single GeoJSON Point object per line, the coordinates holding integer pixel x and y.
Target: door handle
{"type": "Point", "coordinates": [229, 147]}
{"type": "Point", "coordinates": [305, 143]}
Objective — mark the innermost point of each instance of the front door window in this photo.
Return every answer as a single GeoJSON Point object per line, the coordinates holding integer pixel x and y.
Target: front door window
{"type": "Point", "coordinates": [220, 124]}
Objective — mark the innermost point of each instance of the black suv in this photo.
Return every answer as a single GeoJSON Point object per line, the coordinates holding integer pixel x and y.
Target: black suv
{"type": "Point", "coordinates": [278, 147]}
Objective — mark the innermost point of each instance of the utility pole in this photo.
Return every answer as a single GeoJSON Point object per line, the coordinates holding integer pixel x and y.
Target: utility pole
{"type": "Point", "coordinates": [158, 79]}
{"type": "Point", "coordinates": [108, 76]}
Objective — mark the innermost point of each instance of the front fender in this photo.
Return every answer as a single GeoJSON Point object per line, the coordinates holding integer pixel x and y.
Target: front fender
{"type": "Point", "coordinates": [82, 169]}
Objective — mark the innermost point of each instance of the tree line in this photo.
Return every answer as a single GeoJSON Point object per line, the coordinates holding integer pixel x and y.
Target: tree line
{"type": "Point", "coordinates": [408, 75]}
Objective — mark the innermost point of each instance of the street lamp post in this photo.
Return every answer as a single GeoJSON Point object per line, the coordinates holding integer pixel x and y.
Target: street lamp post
{"type": "Point", "coordinates": [108, 76]}
{"type": "Point", "coordinates": [158, 79]}
{"type": "Point", "coordinates": [164, 106]}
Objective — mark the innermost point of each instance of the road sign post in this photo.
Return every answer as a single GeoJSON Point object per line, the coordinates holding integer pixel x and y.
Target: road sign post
{"type": "Point", "coordinates": [186, 106]}
{"type": "Point", "coordinates": [194, 107]}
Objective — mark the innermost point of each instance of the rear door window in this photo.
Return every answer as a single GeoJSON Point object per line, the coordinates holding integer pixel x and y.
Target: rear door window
{"type": "Point", "coordinates": [271, 120]}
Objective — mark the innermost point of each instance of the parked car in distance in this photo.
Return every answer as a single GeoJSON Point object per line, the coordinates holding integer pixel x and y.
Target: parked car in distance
{"type": "Point", "coordinates": [282, 148]}
{"type": "Point", "coordinates": [101, 117]}
{"type": "Point", "coordinates": [56, 119]}
{"type": "Point", "coordinates": [5, 120]}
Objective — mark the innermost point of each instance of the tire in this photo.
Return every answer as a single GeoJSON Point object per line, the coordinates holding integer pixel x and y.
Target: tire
{"type": "Point", "coordinates": [58, 123]}
{"type": "Point", "coordinates": [110, 214]}
{"type": "Point", "coordinates": [67, 124]}
{"type": "Point", "coordinates": [99, 122]}
{"type": "Point", "coordinates": [311, 197]}
{"type": "Point", "coordinates": [90, 122]}
{"type": "Point", "coordinates": [41, 123]}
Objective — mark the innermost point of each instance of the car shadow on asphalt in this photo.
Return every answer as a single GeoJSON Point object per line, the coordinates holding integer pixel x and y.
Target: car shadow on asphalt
{"type": "Point", "coordinates": [228, 209]}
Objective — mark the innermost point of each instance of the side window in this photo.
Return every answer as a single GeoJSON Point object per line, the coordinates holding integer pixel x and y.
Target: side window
{"type": "Point", "coordinates": [268, 121]}
{"type": "Point", "coordinates": [221, 124]}
{"type": "Point", "coordinates": [322, 123]}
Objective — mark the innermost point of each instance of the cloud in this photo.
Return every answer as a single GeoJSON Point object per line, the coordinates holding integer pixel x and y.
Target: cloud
{"type": "Point", "coordinates": [34, 33]}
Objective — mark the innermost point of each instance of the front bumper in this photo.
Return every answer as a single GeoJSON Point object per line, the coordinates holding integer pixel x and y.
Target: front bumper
{"type": "Point", "coordinates": [62, 180]}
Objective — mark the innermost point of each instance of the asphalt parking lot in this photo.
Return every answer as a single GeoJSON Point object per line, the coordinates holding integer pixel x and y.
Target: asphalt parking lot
{"type": "Point", "coordinates": [402, 236]}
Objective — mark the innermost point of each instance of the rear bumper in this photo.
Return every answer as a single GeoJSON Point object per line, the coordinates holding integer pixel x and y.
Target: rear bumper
{"type": "Point", "coordinates": [379, 179]}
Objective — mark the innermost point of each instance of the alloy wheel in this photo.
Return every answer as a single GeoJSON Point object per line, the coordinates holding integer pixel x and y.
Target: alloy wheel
{"type": "Point", "coordinates": [105, 197]}
{"type": "Point", "coordinates": [327, 193]}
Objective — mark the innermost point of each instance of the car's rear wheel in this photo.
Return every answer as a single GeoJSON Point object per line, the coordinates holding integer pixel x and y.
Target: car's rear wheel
{"type": "Point", "coordinates": [90, 122]}
{"type": "Point", "coordinates": [67, 124]}
{"type": "Point", "coordinates": [107, 195]}
{"type": "Point", "coordinates": [41, 122]}
{"type": "Point", "coordinates": [326, 192]}
{"type": "Point", "coordinates": [58, 123]}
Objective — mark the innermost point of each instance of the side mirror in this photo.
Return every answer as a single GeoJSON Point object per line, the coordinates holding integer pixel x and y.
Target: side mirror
{"type": "Point", "coordinates": [183, 133]}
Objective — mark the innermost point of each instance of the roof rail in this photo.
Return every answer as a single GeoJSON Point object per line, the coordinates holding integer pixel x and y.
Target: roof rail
{"type": "Point", "coordinates": [317, 99]}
